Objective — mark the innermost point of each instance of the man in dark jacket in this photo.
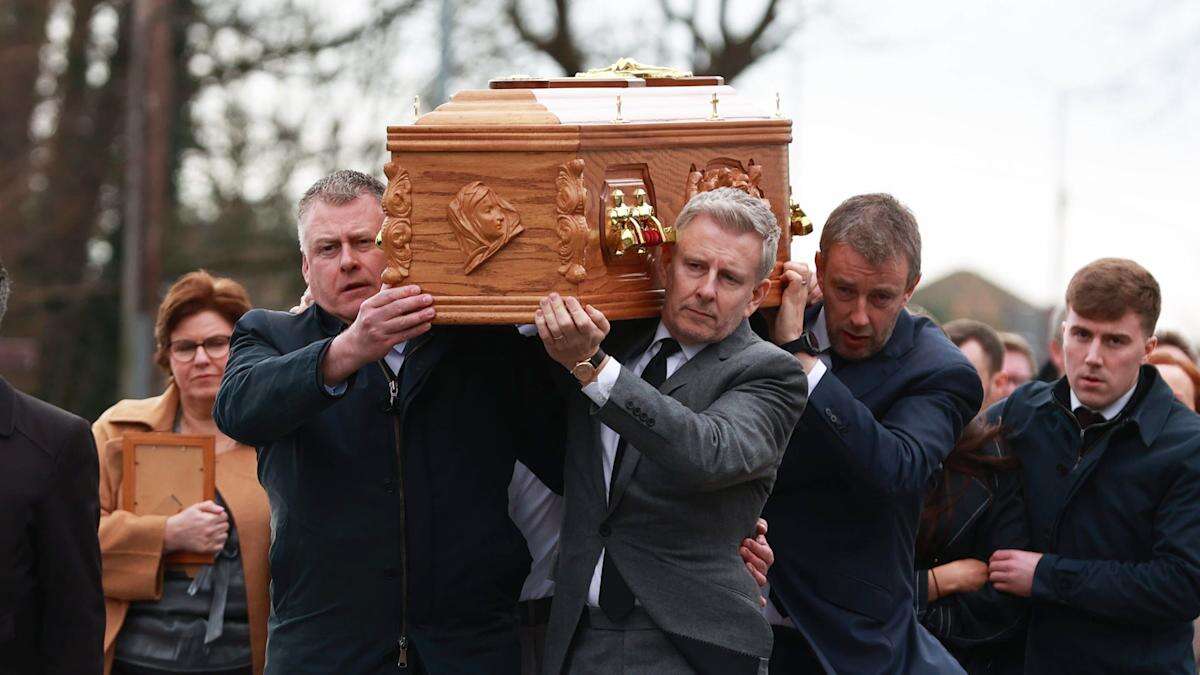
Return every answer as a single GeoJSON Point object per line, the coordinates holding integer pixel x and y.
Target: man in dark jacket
{"type": "Point", "coordinates": [386, 447]}
{"type": "Point", "coordinates": [1112, 473]}
{"type": "Point", "coordinates": [889, 395]}
{"type": "Point", "coordinates": [51, 604]}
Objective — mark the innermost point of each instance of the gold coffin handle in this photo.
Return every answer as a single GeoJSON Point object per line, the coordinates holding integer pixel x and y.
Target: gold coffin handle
{"type": "Point", "coordinates": [801, 224]}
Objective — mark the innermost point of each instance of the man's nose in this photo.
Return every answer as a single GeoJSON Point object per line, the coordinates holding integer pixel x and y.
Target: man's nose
{"type": "Point", "coordinates": [707, 290]}
{"type": "Point", "coordinates": [348, 260]}
{"type": "Point", "coordinates": [1093, 353]}
{"type": "Point", "coordinates": [859, 317]}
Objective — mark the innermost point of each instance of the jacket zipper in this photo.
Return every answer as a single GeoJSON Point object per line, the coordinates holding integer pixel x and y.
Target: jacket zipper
{"type": "Point", "coordinates": [393, 393]}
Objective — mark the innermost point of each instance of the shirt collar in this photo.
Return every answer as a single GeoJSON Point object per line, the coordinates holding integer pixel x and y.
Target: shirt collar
{"type": "Point", "coordinates": [820, 332]}
{"type": "Point", "coordinates": [1113, 409]}
{"type": "Point", "coordinates": [688, 351]}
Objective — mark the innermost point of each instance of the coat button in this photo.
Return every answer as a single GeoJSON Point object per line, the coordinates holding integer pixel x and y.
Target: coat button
{"type": "Point", "coordinates": [390, 572]}
{"type": "Point", "coordinates": [389, 486]}
{"type": "Point", "coordinates": [832, 417]}
{"type": "Point", "coordinates": [629, 405]}
{"type": "Point", "coordinates": [1062, 469]}
{"type": "Point", "coordinates": [605, 529]}
{"type": "Point", "coordinates": [650, 423]}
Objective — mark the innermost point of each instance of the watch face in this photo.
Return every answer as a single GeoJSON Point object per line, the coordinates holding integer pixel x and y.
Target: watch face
{"type": "Point", "coordinates": [583, 371]}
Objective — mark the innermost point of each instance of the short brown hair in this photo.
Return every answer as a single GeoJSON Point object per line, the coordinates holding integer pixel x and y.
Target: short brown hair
{"type": "Point", "coordinates": [337, 189]}
{"type": "Point", "coordinates": [962, 331]}
{"type": "Point", "coordinates": [878, 227]}
{"type": "Point", "coordinates": [1017, 343]}
{"type": "Point", "coordinates": [193, 293]}
{"type": "Point", "coordinates": [1106, 289]}
{"type": "Point", "coordinates": [1177, 340]}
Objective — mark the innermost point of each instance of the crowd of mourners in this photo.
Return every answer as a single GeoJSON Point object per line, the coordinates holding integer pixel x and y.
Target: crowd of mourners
{"type": "Point", "coordinates": [838, 484]}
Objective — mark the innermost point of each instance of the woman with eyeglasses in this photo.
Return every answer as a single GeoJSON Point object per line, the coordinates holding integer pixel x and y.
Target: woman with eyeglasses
{"type": "Point", "coordinates": [187, 618]}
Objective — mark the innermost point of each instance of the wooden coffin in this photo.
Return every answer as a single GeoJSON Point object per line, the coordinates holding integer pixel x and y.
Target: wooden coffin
{"type": "Point", "coordinates": [502, 195]}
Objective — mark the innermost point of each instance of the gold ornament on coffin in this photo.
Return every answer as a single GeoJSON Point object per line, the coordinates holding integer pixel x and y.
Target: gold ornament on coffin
{"type": "Point", "coordinates": [395, 236]}
{"type": "Point", "coordinates": [627, 67]}
{"type": "Point", "coordinates": [570, 222]}
{"type": "Point", "coordinates": [483, 221]}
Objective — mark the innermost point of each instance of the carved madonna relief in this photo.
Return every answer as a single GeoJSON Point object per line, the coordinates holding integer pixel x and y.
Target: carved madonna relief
{"type": "Point", "coordinates": [395, 236]}
{"type": "Point", "coordinates": [484, 222]}
{"type": "Point", "coordinates": [725, 172]}
{"type": "Point", "coordinates": [571, 224]}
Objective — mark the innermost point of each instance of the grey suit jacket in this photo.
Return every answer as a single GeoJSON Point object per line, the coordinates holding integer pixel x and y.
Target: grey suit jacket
{"type": "Point", "coordinates": [701, 460]}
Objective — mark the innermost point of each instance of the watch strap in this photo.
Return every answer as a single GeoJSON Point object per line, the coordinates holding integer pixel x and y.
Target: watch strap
{"type": "Point", "coordinates": [805, 343]}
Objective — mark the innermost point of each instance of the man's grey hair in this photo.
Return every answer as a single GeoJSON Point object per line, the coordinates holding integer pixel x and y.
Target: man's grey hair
{"type": "Point", "coordinates": [1054, 329]}
{"type": "Point", "coordinates": [879, 228]}
{"type": "Point", "coordinates": [738, 212]}
{"type": "Point", "coordinates": [5, 287]}
{"type": "Point", "coordinates": [338, 188]}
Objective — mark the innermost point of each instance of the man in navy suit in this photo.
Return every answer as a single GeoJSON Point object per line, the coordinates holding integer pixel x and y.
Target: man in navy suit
{"type": "Point", "coordinates": [889, 396]}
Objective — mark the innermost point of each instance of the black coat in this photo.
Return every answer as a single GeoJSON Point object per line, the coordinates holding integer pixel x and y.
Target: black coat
{"type": "Point", "coordinates": [51, 603]}
{"type": "Point", "coordinates": [984, 629]}
{"type": "Point", "coordinates": [1119, 584]}
{"type": "Point", "coordinates": [375, 540]}
{"type": "Point", "coordinates": [845, 506]}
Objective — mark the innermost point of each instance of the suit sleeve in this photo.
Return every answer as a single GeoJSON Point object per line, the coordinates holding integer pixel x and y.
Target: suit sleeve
{"type": "Point", "coordinates": [898, 453]}
{"type": "Point", "coordinates": [1165, 588]}
{"type": "Point", "coordinates": [537, 405]}
{"type": "Point", "coordinates": [68, 554]}
{"type": "Point", "coordinates": [740, 437]}
{"type": "Point", "coordinates": [984, 616]}
{"type": "Point", "coordinates": [267, 394]}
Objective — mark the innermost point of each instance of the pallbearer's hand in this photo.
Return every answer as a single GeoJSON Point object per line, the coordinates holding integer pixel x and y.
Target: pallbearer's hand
{"type": "Point", "coordinates": [570, 331]}
{"type": "Point", "coordinates": [1011, 571]}
{"type": "Point", "coordinates": [797, 281]}
{"type": "Point", "coordinates": [759, 557]}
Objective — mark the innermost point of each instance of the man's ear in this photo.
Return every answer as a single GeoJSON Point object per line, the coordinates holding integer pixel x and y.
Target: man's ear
{"type": "Point", "coordinates": [757, 296]}
{"type": "Point", "coordinates": [909, 292]}
{"type": "Point", "coordinates": [662, 262]}
{"type": "Point", "coordinates": [999, 380]}
{"type": "Point", "coordinates": [304, 268]}
{"type": "Point", "coordinates": [1151, 345]}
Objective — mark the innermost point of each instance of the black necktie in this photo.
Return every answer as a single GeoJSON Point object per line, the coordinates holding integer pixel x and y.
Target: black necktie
{"type": "Point", "coordinates": [616, 598]}
{"type": "Point", "coordinates": [1087, 417]}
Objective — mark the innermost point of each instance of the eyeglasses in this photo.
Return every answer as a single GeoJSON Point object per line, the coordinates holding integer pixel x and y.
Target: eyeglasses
{"type": "Point", "coordinates": [184, 351]}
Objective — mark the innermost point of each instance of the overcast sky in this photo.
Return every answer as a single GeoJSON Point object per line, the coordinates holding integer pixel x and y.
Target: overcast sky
{"type": "Point", "coordinates": [952, 107]}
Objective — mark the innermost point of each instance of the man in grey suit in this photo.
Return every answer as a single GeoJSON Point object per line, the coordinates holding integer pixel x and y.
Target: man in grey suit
{"type": "Point", "coordinates": [673, 445]}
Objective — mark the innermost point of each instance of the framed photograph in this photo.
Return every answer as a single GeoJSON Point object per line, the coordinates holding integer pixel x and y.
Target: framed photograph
{"type": "Point", "coordinates": [166, 473]}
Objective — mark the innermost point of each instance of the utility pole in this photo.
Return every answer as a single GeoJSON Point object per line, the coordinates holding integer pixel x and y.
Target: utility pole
{"type": "Point", "coordinates": [147, 188]}
{"type": "Point", "coordinates": [438, 92]}
{"type": "Point", "coordinates": [1058, 245]}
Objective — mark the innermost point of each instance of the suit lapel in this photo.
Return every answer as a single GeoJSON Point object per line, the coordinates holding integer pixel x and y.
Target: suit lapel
{"type": "Point", "coordinates": [421, 355]}
{"type": "Point", "coordinates": [625, 347]}
{"type": "Point", "coordinates": [689, 371]}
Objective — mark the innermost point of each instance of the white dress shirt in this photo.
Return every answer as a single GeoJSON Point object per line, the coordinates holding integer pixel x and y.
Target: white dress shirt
{"type": "Point", "coordinates": [599, 391]}
{"type": "Point", "coordinates": [537, 513]}
{"type": "Point", "coordinates": [1113, 409]}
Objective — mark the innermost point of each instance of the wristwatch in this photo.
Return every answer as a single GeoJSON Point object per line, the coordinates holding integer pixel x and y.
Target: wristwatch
{"type": "Point", "coordinates": [807, 343]}
{"type": "Point", "coordinates": [585, 371]}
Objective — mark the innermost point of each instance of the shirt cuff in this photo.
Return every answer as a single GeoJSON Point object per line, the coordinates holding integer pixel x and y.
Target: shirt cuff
{"type": "Point", "coordinates": [600, 388]}
{"type": "Point", "coordinates": [527, 330]}
{"type": "Point", "coordinates": [815, 375]}
{"type": "Point", "coordinates": [337, 390]}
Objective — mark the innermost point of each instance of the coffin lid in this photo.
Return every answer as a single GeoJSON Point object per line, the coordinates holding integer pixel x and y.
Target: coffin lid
{"type": "Point", "coordinates": [648, 95]}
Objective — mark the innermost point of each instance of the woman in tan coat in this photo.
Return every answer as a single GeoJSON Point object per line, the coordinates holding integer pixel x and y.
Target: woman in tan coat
{"type": "Point", "coordinates": [188, 618]}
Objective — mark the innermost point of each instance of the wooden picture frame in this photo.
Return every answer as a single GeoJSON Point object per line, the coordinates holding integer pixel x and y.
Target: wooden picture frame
{"type": "Point", "coordinates": [165, 473]}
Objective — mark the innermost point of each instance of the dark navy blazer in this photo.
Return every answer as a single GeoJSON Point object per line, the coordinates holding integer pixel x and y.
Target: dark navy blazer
{"type": "Point", "coordinates": [846, 504]}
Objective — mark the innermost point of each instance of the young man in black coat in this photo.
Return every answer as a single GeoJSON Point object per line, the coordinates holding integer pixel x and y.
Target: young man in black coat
{"type": "Point", "coordinates": [51, 605]}
{"type": "Point", "coordinates": [1111, 463]}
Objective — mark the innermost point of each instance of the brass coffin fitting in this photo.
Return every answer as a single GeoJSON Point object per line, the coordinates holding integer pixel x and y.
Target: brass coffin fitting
{"type": "Point", "coordinates": [801, 224]}
{"type": "Point", "coordinates": [653, 231]}
{"type": "Point", "coordinates": [634, 229]}
{"type": "Point", "coordinates": [622, 231]}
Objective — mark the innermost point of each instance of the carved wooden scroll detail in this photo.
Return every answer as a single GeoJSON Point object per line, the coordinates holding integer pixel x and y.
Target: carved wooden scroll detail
{"type": "Point", "coordinates": [571, 224]}
{"type": "Point", "coordinates": [395, 237]}
{"type": "Point", "coordinates": [483, 221]}
{"type": "Point", "coordinates": [725, 172]}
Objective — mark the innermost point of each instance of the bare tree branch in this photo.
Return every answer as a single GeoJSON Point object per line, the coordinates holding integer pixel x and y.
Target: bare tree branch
{"type": "Point", "coordinates": [560, 45]}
